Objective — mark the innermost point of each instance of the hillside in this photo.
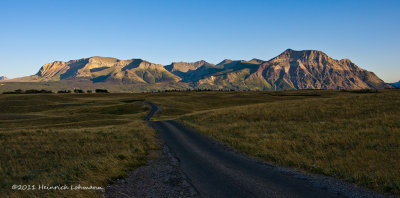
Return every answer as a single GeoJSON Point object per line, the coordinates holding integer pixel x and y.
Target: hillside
{"type": "Point", "coordinates": [396, 84]}
{"type": "Point", "coordinates": [308, 69]}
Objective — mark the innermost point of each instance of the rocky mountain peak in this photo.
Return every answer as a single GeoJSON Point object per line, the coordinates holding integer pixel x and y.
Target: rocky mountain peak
{"type": "Point", "coordinates": [303, 54]}
{"type": "Point", "coordinates": [225, 61]}
{"type": "Point", "coordinates": [256, 61]}
{"type": "Point", "coordinates": [201, 63]}
{"type": "Point", "coordinates": [185, 66]}
{"type": "Point", "coordinates": [103, 60]}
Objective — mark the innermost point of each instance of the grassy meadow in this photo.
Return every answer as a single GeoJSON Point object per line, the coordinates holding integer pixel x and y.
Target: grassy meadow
{"type": "Point", "coordinates": [93, 139]}
{"type": "Point", "coordinates": [57, 139]}
{"type": "Point", "coordinates": [349, 135]}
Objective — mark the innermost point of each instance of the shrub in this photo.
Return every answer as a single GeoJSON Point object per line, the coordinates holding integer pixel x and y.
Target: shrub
{"type": "Point", "coordinates": [102, 91]}
{"type": "Point", "coordinates": [64, 91]}
{"type": "Point", "coordinates": [78, 91]}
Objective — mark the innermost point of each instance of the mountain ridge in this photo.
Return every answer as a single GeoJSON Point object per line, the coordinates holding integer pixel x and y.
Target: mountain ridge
{"type": "Point", "coordinates": [396, 84]}
{"type": "Point", "coordinates": [306, 69]}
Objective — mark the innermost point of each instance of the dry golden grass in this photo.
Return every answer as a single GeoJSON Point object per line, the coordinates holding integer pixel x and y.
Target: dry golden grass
{"type": "Point", "coordinates": [70, 139]}
{"type": "Point", "coordinates": [352, 136]}
{"type": "Point", "coordinates": [92, 139]}
{"type": "Point", "coordinates": [176, 104]}
{"type": "Point", "coordinates": [87, 139]}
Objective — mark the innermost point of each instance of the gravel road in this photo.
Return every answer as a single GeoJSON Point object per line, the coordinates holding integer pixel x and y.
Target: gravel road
{"type": "Point", "coordinates": [209, 169]}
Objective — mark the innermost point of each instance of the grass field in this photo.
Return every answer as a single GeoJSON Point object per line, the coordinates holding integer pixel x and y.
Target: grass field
{"type": "Point", "coordinates": [351, 136]}
{"type": "Point", "coordinates": [92, 139]}
{"type": "Point", "coordinates": [70, 139]}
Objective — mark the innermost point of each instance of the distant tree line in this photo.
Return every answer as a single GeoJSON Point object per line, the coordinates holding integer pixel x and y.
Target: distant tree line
{"type": "Point", "coordinates": [64, 91]}
{"type": "Point", "coordinates": [361, 91]}
{"type": "Point", "coordinates": [200, 90]}
{"type": "Point", "coordinates": [196, 90]}
{"type": "Point", "coordinates": [35, 91]}
{"type": "Point", "coordinates": [79, 91]}
{"type": "Point", "coordinates": [29, 91]}
{"type": "Point", "coordinates": [309, 89]}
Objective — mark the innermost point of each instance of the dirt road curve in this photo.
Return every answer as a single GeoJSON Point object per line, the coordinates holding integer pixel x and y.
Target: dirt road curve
{"type": "Point", "coordinates": [216, 171]}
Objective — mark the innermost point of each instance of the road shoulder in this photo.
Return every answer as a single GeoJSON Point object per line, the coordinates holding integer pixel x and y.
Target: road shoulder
{"type": "Point", "coordinates": [162, 177]}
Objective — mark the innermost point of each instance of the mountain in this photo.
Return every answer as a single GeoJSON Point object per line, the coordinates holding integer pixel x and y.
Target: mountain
{"type": "Point", "coordinates": [396, 84]}
{"type": "Point", "coordinates": [103, 69]}
{"type": "Point", "coordinates": [189, 72]}
{"type": "Point", "coordinates": [307, 69]}
{"type": "Point", "coordinates": [185, 67]}
{"type": "Point", "coordinates": [3, 78]}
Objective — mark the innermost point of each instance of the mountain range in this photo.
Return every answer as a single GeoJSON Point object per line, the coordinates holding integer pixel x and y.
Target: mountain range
{"type": "Point", "coordinates": [307, 69]}
{"type": "Point", "coordinates": [3, 78]}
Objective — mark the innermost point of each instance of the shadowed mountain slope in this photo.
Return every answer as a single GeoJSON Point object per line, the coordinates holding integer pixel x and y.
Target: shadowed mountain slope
{"type": "Point", "coordinates": [396, 84]}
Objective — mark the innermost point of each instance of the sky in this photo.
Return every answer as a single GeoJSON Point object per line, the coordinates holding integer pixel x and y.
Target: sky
{"type": "Point", "coordinates": [36, 32]}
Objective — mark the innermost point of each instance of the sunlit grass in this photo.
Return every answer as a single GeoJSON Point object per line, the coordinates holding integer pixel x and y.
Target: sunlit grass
{"type": "Point", "coordinates": [352, 136]}
{"type": "Point", "coordinates": [92, 139]}
{"type": "Point", "coordinates": [72, 139]}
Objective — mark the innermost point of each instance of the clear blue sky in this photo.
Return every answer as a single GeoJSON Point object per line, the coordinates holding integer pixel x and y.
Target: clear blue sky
{"type": "Point", "coordinates": [33, 33]}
